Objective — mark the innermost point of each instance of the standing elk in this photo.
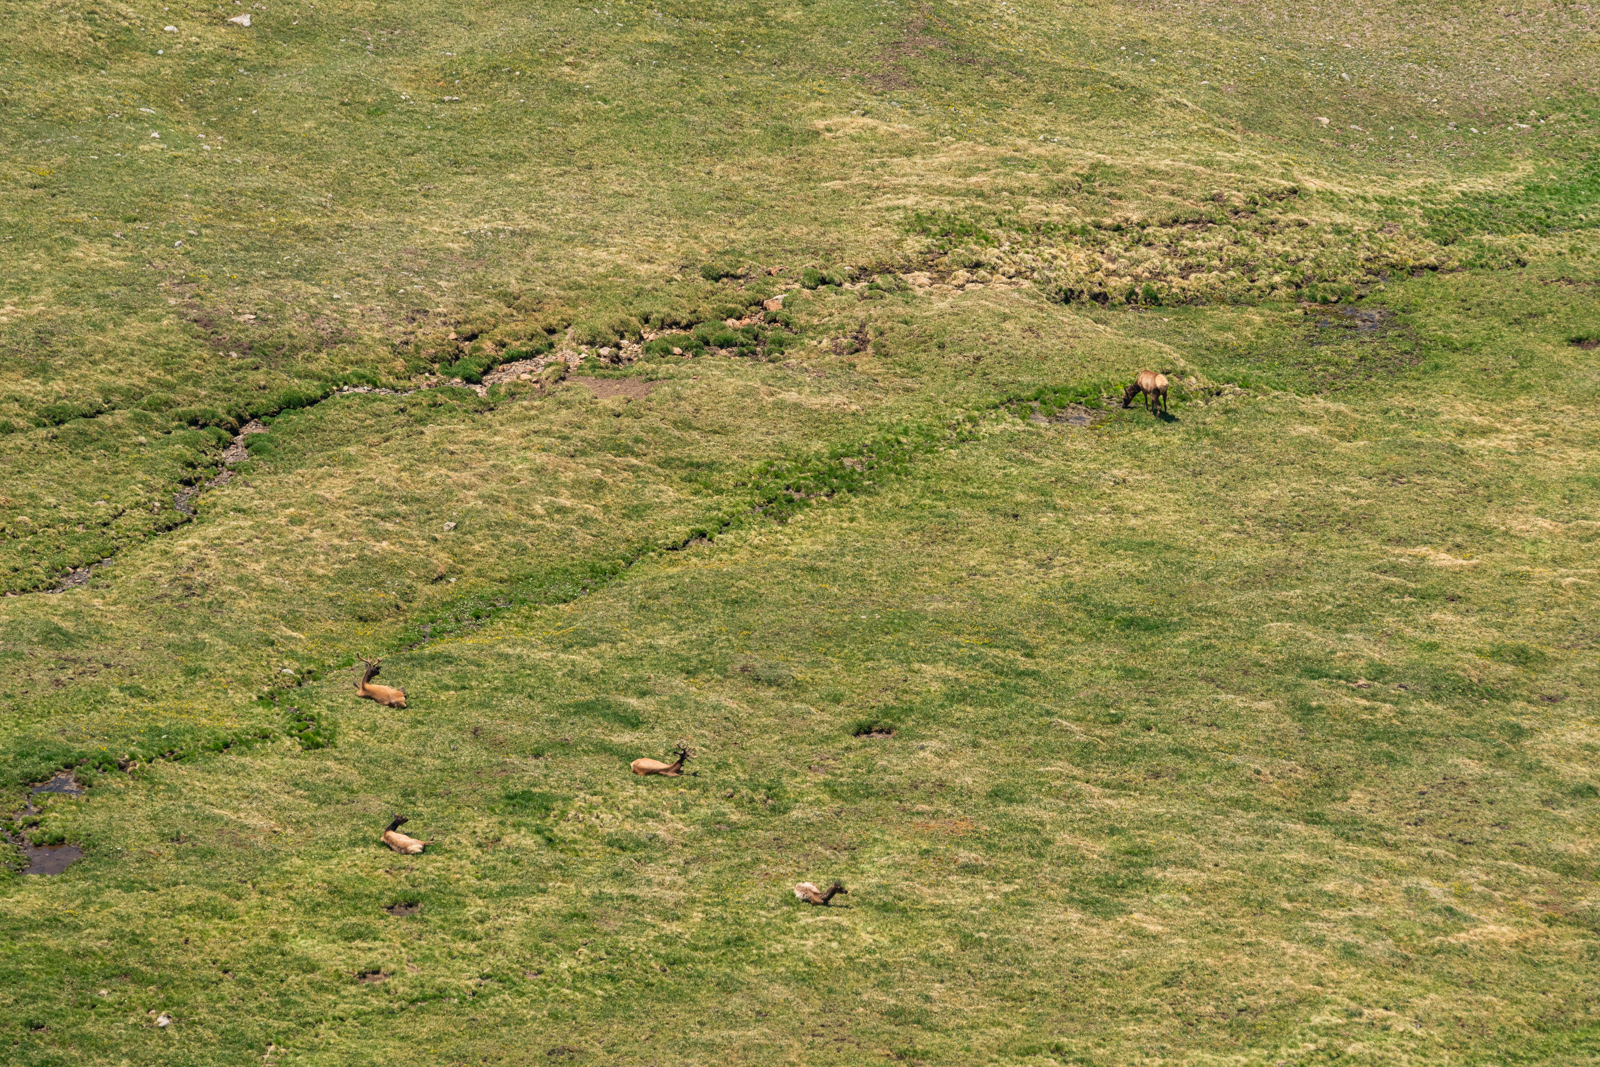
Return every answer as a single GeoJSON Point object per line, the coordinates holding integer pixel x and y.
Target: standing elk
{"type": "Point", "coordinates": [1154, 387]}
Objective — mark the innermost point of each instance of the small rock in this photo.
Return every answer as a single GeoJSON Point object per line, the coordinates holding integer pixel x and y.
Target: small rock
{"type": "Point", "coordinates": [775, 304]}
{"type": "Point", "coordinates": [170, 29]}
{"type": "Point", "coordinates": [240, 20]}
{"type": "Point", "coordinates": [165, 1020]}
{"type": "Point", "coordinates": [449, 526]}
{"type": "Point", "coordinates": [677, 351]}
{"type": "Point", "coordinates": [606, 353]}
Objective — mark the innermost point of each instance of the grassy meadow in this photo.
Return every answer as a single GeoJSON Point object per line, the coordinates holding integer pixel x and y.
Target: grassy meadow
{"type": "Point", "coordinates": [1262, 732]}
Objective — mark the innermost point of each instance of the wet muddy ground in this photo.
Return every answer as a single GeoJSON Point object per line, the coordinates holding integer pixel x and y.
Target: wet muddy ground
{"type": "Point", "coordinates": [1071, 415]}
{"type": "Point", "coordinates": [47, 859]}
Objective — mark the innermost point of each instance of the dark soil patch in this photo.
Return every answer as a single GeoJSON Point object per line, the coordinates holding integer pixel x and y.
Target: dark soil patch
{"type": "Point", "coordinates": [63, 783]}
{"type": "Point", "coordinates": [632, 388]}
{"type": "Point", "coordinates": [403, 910]}
{"type": "Point", "coordinates": [73, 579]}
{"type": "Point", "coordinates": [56, 856]}
{"type": "Point", "coordinates": [872, 730]}
{"type": "Point", "coordinates": [1345, 344]}
{"type": "Point", "coordinates": [49, 859]}
{"type": "Point", "coordinates": [888, 71]}
{"type": "Point", "coordinates": [1071, 415]}
{"type": "Point", "coordinates": [1361, 320]}
{"type": "Point", "coordinates": [1588, 344]}
{"type": "Point", "coordinates": [236, 451]}
{"type": "Point", "coordinates": [371, 977]}
{"type": "Point", "coordinates": [766, 673]}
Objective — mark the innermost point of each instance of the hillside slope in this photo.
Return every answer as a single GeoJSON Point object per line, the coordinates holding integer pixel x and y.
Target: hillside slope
{"type": "Point", "coordinates": [748, 378]}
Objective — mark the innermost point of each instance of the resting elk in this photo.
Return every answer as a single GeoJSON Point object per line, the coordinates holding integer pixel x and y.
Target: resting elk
{"type": "Point", "coordinates": [810, 894]}
{"type": "Point", "coordinates": [646, 765]}
{"type": "Point", "coordinates": [400, 842]}
{"type": "Point", "coordinates": [388, 696]}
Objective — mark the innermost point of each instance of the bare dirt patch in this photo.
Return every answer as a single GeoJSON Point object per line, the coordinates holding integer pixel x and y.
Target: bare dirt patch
{"type": "Point", "coordinates": [888, 72]}
{"type": "Point", "coordinates": [510, 372]}
{"type": "Point", "coordinates": [1071, 415]}
{"type": "Point", "coordinates": [632, 388]}
{"type": "Point", "coordinates": [49, 859]}
{"type": "Point", "coordinates": [1361, 320]}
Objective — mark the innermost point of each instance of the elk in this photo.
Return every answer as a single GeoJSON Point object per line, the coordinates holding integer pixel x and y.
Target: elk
{"type": "Point", "coordinates": [1154, 387]}
{"type": "Point", "coordinates": [812, 895]}
{"type": "Point", "coordinates": [388, 696]}
{"type": "Point", "coordinates": [645, 765]}
{"type": "Point", "coordinates": [398, 841]}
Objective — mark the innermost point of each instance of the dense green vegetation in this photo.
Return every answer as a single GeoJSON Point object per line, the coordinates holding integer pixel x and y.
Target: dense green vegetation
{"type": "Point", "coordinates": [749, 378]}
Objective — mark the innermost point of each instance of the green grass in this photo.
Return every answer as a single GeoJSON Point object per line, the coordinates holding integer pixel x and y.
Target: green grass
{"type": "Point", "coordinates": [1261, 733]}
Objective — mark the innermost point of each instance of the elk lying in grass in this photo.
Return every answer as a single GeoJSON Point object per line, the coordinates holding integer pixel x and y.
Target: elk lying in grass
{"type": "Point", "coordinates": [645, 765]}
{"type": "Point", "coordinates": [1154, 387]}
{"type": "Point", "coordinates": [388, 696]}
{"type": "Point", "coordinates": [398, 841]}
{"type": "Point", "coordinates": [812, 895]}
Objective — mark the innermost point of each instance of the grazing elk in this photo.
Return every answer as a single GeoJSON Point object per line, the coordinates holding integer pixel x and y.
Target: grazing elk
{"type": "Point", "coordinates": [645, 765]}
{"type": "Point", "coordinates": [1154, 387]}
{"type": "Point", "coordinates": [388, 696]}
{"type": "Point", "coordinates": [812, 895]}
